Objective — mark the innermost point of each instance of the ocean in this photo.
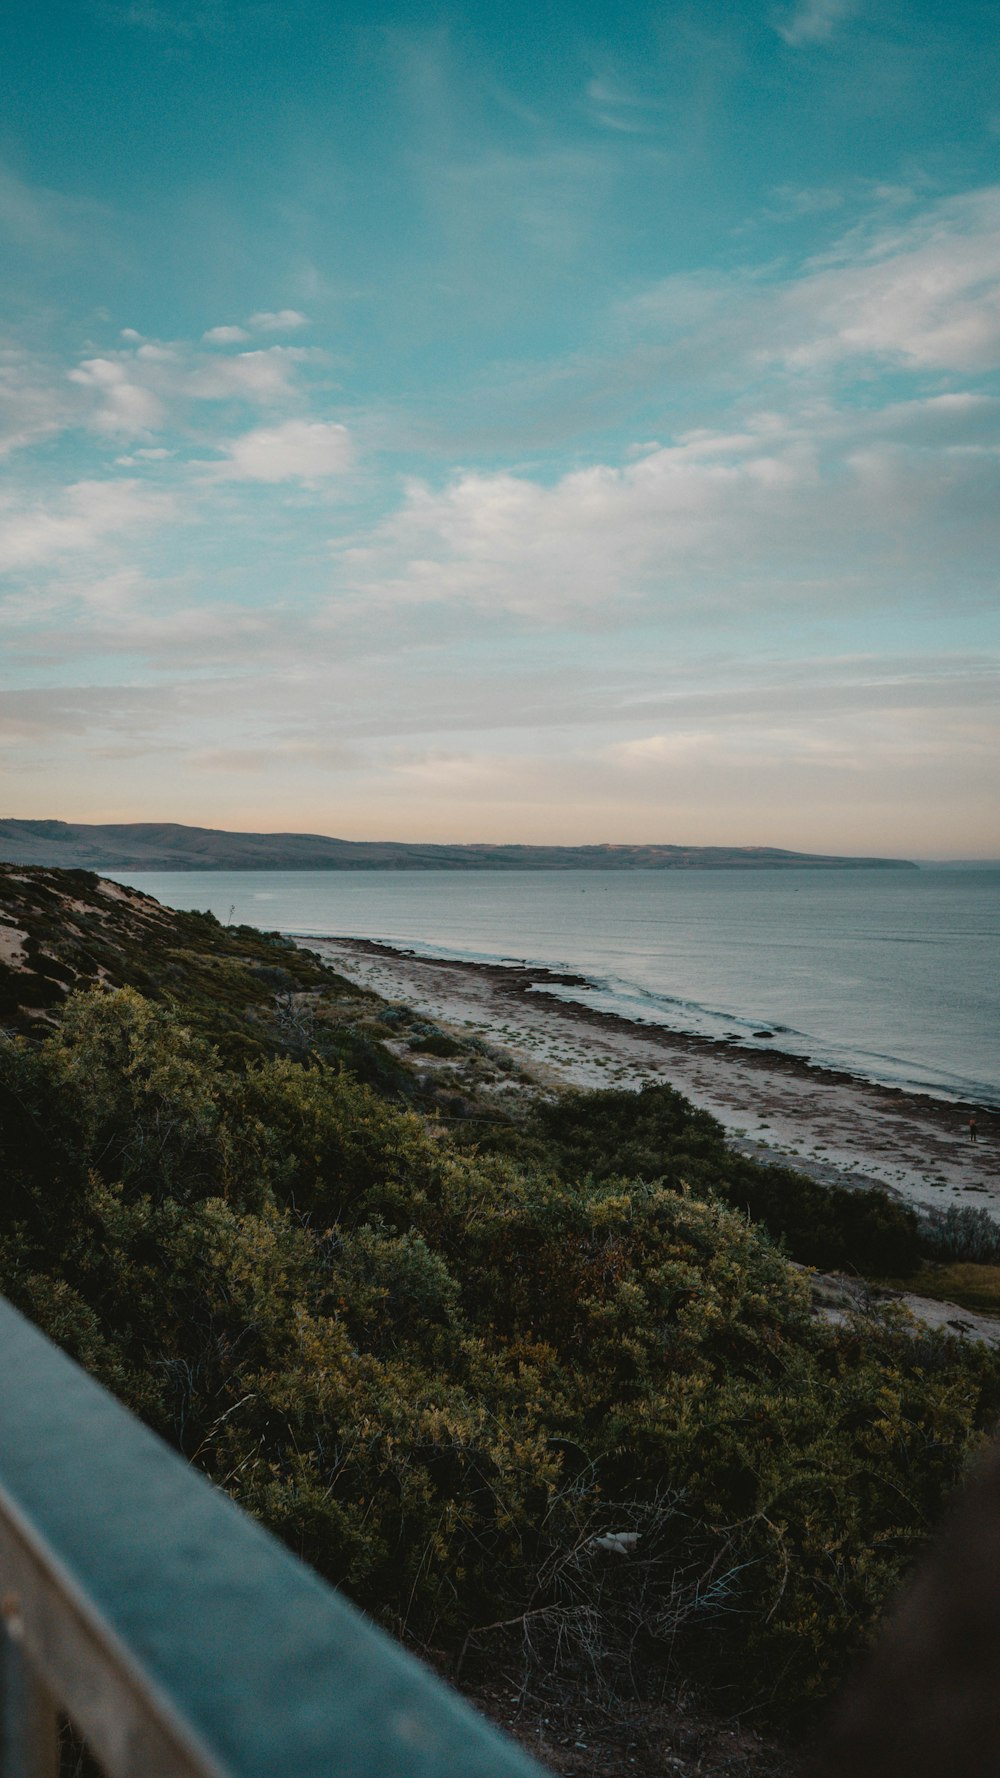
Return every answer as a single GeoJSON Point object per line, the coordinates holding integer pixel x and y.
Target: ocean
{"type": "Point", "coordinates": [891, 975]}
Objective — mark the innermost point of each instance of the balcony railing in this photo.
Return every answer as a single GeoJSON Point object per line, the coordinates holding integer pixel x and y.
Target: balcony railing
{"type": "Point", "coordinates": [179, 1639]}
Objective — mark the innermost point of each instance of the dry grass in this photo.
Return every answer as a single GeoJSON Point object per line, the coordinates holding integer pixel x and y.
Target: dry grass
{"type": "Point", "coordinates": [972, 1286]}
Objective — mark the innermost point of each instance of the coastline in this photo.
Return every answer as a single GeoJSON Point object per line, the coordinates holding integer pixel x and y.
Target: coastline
{"type": "Point", "coordinates": [837, 1127]}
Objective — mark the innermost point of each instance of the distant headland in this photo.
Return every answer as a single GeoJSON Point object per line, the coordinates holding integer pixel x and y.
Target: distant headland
{"type": "Point", "coordinates": [156, 846]}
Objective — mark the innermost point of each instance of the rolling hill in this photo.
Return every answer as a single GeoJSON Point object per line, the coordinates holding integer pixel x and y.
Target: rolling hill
{"type": "Point", "coordinates": [155, 846]}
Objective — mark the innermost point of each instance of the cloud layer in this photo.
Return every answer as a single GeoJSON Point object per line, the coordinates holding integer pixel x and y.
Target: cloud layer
{"type": "Point", "coordinates": [723, 572]}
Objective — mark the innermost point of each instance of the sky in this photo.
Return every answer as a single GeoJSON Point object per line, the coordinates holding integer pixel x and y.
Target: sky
{"type": "Point", "coordinates": [516, 422]}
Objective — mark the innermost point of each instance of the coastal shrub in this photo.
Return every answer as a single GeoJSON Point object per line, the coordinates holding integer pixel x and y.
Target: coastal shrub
{"type": "Point", "coordinates": [833, 1227]}
{"type": "Point", "coordinates": [118, 1084]}
{"type": "Point", "coordinates": [959, 1232]}
{"type": "Point", "coordinates": [363, 1056]}
{"type": "Point", "coordinates": [436, 1043]}
{"type": "Point", "coordinates": [657, 1134]}
{"type": "Point", "coordinates": [625, 1135]}
{"type": "Point", "coordinates": [40, 1144]}
{"type": "Point", "coordinates": [396, 1294]}
{"type": "Point", "coordinates": [332, 1146]}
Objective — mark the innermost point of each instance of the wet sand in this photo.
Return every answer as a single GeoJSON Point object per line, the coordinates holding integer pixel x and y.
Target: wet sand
{"type": "Point", "coordinates": [832, 1125]}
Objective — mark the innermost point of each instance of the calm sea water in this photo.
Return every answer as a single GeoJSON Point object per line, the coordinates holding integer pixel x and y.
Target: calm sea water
{"type": "Point", "coordinates": [894, 975]}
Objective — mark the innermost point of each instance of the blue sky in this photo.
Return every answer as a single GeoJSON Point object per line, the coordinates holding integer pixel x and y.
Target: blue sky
{"type": "Point", "coordinates": [504, 422]}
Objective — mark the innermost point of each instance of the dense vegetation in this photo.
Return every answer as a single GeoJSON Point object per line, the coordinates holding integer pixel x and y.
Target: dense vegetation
{"type": "Point", "coordinates": [658, 1135]}
{"type": "Point", "coordinates": [553, 1381]}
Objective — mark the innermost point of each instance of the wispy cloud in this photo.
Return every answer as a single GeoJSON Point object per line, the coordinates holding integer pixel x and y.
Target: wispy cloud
{"type": "Point", "coordinates": [921, 291]}
{"type": "Point", "coordinates": [277, 759]}
{"type": "Point", "coordinates": [278, 320]}
{"type": "Point", "coordinates": [617, 106]}
{"type": "Point", "coordinates": [225, 336]}
{"type": "Point", "coordinates": [546, 202]}
{"type": "Point", "coordinates": [813, 21]}
{"type": "Point", "coordinates": [34, 217]}
{"type": "Point", "coordinates": [80, 520]}
{"type": "Point", "coordinates": [31, 216]}
{"type": "Point", "coordinates": [180, 19]}
{"type": "Point", "coordinates": [34, 401]}
{"type": "Point", "coordinates": [266, 375]}
{"type": "Point", "coordinates": [927, 292]}
{"type": "Point", "coordinates": [790, 203]}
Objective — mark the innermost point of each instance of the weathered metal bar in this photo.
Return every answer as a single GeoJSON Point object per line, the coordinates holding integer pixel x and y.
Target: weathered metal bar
{"type": "Point", "coordinates": [29, 1726]}
{"type": "Point", "coordinates": [183, 1640]}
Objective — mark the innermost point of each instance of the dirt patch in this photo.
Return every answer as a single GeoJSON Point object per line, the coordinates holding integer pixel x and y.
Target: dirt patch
{"type": "Point", "coordinates": [658, 1741]}
{"type": "Point", "coordinates": [836, 1298]}
{"type": "Point", "coordinates": [117, 891]}
{"type": "Point", "coordinates": [12, 947]}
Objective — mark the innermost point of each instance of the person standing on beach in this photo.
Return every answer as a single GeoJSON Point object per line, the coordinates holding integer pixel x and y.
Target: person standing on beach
{"type": "Point", "coordinates": [973, 1129]}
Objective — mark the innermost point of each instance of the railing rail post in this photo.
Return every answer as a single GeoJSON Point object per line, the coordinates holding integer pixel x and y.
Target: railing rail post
{"type": "Point", "coordinates": [29, 1723]}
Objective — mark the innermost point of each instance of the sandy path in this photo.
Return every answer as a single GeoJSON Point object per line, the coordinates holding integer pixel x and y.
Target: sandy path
{"type": "Point", "coordinates": [830, 1125]}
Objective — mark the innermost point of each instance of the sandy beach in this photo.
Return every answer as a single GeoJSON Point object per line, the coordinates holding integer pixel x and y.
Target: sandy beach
{"type": "Point", "coordinates": [834, 1126]}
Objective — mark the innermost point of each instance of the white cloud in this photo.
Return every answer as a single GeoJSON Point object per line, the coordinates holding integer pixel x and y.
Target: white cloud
{"type": "Point", "coordinates": [225, 336]}
{"type": "Point", "coordinates": [300, 450]}
{"type": "Point", "coordinates": [87, 515]}
{"type": "Point", "coordinates": [278, 320]}
{"type": "Point", "coordinates": [813, 21]}
{"type": "Point", "coordinates": [598, 535]}
{"type": "Point", "coordinates": [122, 404]}
{"type": "Point", "coordinates": [262, 375]}
{"type": "Point", "coordinates": [137, 391]}
{"type": "Point", "coordinates": [711, 522]}
{"type": "Point", "coordinates": [960, 420]}
{"type": "Point", "coordinates": [110, 595]}
{"type": "Point", "coordinates": [186, 634]}
{"type": "Point", "coordinates": [154, 454]}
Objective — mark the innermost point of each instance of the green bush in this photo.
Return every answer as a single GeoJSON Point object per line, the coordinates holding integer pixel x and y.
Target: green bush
{"type": "Point", "coordinates": [657, 1134]}
{"type": "Point", "coordinates": [436, 1043]}
{"type": "Point", "coordinates": [958, 1232]}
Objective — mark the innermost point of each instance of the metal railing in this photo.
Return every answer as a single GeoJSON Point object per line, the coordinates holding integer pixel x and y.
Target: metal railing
{"type": "Point", "coordinates": [174, 1633]}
